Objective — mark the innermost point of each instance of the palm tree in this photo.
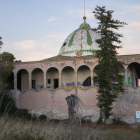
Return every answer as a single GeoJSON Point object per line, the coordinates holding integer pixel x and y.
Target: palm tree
{"type": "Point", "coordinates": [74, 101]}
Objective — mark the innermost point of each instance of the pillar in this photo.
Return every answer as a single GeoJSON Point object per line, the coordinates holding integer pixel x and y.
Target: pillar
{"type": "Point", "coordinates": [126, 80]}
{"type": "Point", "coordinates": [15, 82]}
{"type": "Point", "coordinates": [75, 78]}
{"type": "Point", "coordinates": [45, 85]}
{"type": "Point", "coordinates": [91, 73]}
{"type": "Point", "coordinates": [60, 79]}
{"type": "Point", "coordinates": [30, 81]}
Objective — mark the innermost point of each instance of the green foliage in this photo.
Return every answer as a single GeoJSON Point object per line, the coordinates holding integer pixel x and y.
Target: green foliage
{"type": "Point", "coordinates": [6, 57]}
{"type": "Point", "coordinates": [42, 117]}
{"type": "Point", "coordinates": [109, 78]}
{"type": "Point", "coordinates": [83, 120]}
{"type": "Point", "coordinates": [27, 135]}
{"type": "Point", "coordinates": [1, 43]}
{"type": "Point", "coordinates": [6, 67]}
{"type": "Point", "coordinates": [100, 121]}
{"type": "Point", "coordinates": [117, 121]}
{"type": "Point", "coordinates": [8, 108]}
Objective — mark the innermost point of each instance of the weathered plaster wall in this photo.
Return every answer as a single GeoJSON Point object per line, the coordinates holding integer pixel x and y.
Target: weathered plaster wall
{"type": "Point", "coordinates": [54, 102]}
{"type": "Point", "coordinates": [127, 104]}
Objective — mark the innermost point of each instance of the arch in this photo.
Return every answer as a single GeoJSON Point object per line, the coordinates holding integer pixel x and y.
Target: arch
{"type": "Point", "coordinates": [52, 67]}
{"type": "Point", "coordinates": [31, 71]}
{"type": "Point", "coordinates": [22, 79]}
{"type": "Point", "coordinates": [19, 70]}
{"type": "Point", "coordinates": [52, 78]}
{"type": "Point", "coordinates": [37, 78]}
{"type": "Point", "coordinates": [94, 66]}
{"type": "Point", "coordinates": [84, 76]}
{"type": "Point", "coordinates": [83, 64]}
{"type": "Point", "coordinates": [65, 67]}
{"type": "Point", "coordinates": [68, 77]}
{"type": "Point", "coordinates": [133, 74]}
{"type": "Point", "coordinates": [131, 63]}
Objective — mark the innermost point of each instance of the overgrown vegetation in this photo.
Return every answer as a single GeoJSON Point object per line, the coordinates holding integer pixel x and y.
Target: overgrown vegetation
{"type": "Point", "coordinates": [14, 129]}
{"type": "Point", "coordinates": [109, 78]}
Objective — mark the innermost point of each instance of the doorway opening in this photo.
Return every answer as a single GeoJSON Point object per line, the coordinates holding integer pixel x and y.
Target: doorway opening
{"type": "Point", "coordinates": [56, 83]}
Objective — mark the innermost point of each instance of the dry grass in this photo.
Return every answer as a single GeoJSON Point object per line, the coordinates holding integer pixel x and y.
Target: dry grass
{"type": "Point", "coordinates": [14, 129]}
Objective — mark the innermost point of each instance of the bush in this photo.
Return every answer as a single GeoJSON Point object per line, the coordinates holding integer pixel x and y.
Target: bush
{"type": "Point", "coordinates": [85, 121]}
{"type": "Point", "coordinates": [117, 121]}
{"type": "Point", "coordinates": [42, 117]}
{"type": "Point", "coordinates": [7, 106]}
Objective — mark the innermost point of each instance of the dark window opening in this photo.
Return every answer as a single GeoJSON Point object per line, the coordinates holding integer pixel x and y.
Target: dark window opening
{"type": "Point", "coordinates": [33, 84]}
{"type": "Point", "coordinates": [87, 82]}
{"type": "Point", "coordinates": [55, 83]}
{"type": "Point", "coordinates": [49, 81]}
{"type": "Point", "coordinates": [64, 44]}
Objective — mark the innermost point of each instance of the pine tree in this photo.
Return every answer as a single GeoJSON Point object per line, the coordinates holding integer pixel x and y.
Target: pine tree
{"type": "Point", "coordinates": [1, 43]}
{"type": "Point", "coordinates": [109, 78]}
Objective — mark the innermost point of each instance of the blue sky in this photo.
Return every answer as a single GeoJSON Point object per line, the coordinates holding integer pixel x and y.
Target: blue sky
{"type": "Point", "coordinates": [35, 29]}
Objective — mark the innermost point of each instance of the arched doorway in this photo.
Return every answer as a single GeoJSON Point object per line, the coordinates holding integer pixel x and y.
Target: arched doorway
{"type": "Point", "coordinates": [133, 74]}
{"type": "Point", "coordinates": [37, 79]}
{"type": "Point", "coordinates": [68, 79]}
{"type": "Point", "coordinates": [52, 78]}
{"type": "Point", "coordinates": [84, 77]}
{"type": "Point", "coordinates": [22, 80]}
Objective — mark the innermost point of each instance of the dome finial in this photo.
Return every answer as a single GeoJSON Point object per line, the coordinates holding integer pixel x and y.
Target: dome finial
{"type": "Point", "coordinates": [84, 19]}
{"type": "Point", "coordinates": [84, 14]}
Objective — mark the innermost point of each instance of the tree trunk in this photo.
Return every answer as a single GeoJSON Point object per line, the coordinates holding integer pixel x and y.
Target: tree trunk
{"type": "Point", "coordinates": [71, 115]}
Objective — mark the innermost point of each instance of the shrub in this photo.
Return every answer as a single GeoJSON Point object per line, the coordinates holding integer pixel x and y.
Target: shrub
{"type": "Point", "coordinates": [42, 117]}
{"type": "Point", "coordinates": [117, 121]}
{"type": "Point", "coordinates": [7, 106]}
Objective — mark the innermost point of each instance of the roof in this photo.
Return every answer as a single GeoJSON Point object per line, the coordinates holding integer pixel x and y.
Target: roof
{"type": "Point", "coordinates": [60, 57]}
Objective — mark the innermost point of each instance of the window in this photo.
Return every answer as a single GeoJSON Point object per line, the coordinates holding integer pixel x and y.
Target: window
{"type": "Point", "coordinates": [49, 81]}
{"type": "Point", "coordinates": [64, 44]}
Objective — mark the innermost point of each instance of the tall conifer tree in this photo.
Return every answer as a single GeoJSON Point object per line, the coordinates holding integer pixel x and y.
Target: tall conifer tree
{"type": "Point", "coordinates": [109, 78]}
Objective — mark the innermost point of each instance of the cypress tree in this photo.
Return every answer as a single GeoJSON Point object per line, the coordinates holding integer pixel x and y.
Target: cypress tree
{"type": "Point", "coordinates": [109, 77]}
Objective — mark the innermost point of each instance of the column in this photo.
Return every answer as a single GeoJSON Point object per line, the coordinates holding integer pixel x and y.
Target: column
{"type": "Point", "coordinates": [126, 80]}
{"type": "Point", "coordinates": [15, 82]}
{"type": "Point", "coordinates": [75, 78]}
{"type": "Point", "coordinates": [30, 81]}
{"type": "Point", "coordinates": [60, 80]}
{"type": "Point", "coordinates": [45, 76]}
{"type": "Point", "coordinates": [91, 73]}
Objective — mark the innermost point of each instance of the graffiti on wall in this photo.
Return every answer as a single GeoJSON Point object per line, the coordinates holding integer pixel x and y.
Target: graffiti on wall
{"type": "Point", "coordinates": [72, 85]}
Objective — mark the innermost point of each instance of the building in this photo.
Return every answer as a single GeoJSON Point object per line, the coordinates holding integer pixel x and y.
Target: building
{"type": "Point", "coordinates": [42, 86]}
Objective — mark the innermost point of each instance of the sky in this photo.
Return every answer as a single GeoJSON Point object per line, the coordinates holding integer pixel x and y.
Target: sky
{"type": "Point", "coordinates": [33, 30]}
